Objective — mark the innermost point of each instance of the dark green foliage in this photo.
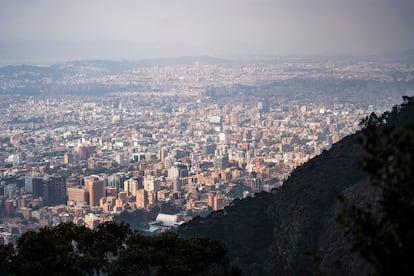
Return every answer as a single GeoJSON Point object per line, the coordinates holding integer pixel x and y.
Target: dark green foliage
{"type": "Point", "coordinates": [244, 227]}
{"type": "Point", "coordinates": [167, 254]}
{"type": "Point", "coordinates": [111, 249]}
{"type": "Point", "coordinates": [269, 235]}
{"type": "Point", "coordinates": [55, 250]}
{"type": "Point", "coordinates": [381, 229]}
{"type": "Point", "coordinates": [7, 258]}
{"type": "Point", "coordinates": [108, 243]}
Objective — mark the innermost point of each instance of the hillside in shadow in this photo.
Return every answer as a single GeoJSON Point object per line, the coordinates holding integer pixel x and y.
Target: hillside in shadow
{"type": "Point", "coordinates": [293, 230]}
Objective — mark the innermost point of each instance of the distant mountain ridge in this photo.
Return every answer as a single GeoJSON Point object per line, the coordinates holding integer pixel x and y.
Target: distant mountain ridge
{"type": "Point", "coordinates": [35, 80]}
{"type": "Point", "coordinates": [271, 233]}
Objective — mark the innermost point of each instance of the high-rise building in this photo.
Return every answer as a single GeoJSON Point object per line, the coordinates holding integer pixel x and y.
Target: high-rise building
{"type": "Point", "coordinates": [173, 173]}
{"type": "Point", "coordinates": [77, 195]}
{"type": "Point", "coordinates": [55, 190]}
{"type": "Point", "coordinates": [9, 207]}
{"type": "Point", "coordinates": [222, 162]}
{"type": "Point", "coordinates": [234, 119]}
{"type": "Point", "coordinates": [83, 153]}
{"type": "Point", "coordinates": [210, 201]}
{"type": "Point", "coordinates": [163, 153]}
{"type": "Point", "coordinates": [207, 149]}
{"type": "Point", "coordinates": [151, 184]}
{"type": "Point", "coordinates": [219, 202]}
{"type": "Point", "coordinates": [141, 198]}
{"type": "Point", "coordinates": [130, 186]}
{"type": "Point", "coordinates": [15, 159]}
{"type": "Point", "coordinates": [34, 185]}
{"type": "Point", "coordinates": [68, 158]}
{"type": "Point", "coordinates": [178, 170]}
{"type": "Point", "coordinates": [96, 189]}
{"type": "Point", "coordinates": [176, 184]}
{"type": "Point", "coordinates": [216, 201]}
{"type": "Point", "coordinates": [10, 191]}
{"type": "Point", "coordinates": [116, 180]}
{"type": "Point", "coordinates": [152, 197]}
{"type": "Point", "coordinates": [263, 106]}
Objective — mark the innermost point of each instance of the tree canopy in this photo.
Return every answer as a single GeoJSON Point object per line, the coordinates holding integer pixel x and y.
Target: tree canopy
{"type": "Point", "coordinates": [381, 230]}
{"type": "Point", "coordinates": [112, 248]}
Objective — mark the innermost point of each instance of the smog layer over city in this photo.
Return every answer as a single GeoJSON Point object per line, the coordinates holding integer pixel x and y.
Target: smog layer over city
{"type": "Point", "coordinates": [186, 118]}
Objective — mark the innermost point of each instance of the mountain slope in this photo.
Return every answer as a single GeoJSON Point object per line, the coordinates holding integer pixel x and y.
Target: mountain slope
{"type": "Point", "coordinates": [303, 212]}
{"type": "Point", "coordinates": [271, 233]}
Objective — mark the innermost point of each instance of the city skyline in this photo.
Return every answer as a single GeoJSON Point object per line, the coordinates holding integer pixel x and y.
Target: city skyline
{"type": "Point", "coordinates": [53, 31]}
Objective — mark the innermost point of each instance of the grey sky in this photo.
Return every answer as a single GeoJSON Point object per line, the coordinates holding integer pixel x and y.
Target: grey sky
{"type": "Point", "coordinates": [126, 29]}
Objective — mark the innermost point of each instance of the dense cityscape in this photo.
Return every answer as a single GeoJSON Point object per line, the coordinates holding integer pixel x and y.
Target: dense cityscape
{"type": "Point", "coordinates": [83, 142]}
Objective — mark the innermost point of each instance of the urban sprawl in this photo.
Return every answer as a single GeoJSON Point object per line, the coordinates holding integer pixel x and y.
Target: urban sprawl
{"type": "Point", "coordinates": [177, 140]}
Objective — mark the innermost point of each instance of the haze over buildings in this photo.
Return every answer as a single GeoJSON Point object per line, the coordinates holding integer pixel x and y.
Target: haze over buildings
{"type": "Point", "coordinates": [86, 141]}
{"type": "Point", "coordinates": [47, 31]}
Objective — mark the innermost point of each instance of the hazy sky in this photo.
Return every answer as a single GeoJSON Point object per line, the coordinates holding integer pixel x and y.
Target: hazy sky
{"type": "Point", "coordinates": [134, 29]}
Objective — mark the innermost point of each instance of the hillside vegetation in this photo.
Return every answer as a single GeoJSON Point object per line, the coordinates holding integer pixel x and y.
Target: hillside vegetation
{"type": "Point", "coordinates": [294, 230]}
{"type": "Point", "coordinates": [111, 249]}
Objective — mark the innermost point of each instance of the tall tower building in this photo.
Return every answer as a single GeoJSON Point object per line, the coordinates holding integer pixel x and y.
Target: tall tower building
{"type": "Point", "coordinates": [83, 153]}
{"type": "Point", "coordinates": [210, 201]}
{"type": "Point", "coordinates": [68, 158]}
{"type": "Point", "coordinates": [216, 201]}
{"type": "Point", "coordinates": [173, 173]}
{"type": "Point", "coordinates": [222, 162]}
{"type": "Point", "coordinates": [176, 184]}
{"type": "Point", "coordinates": [234, 119]}
{"type": "Point", "coordinates": [219, 202]}
{"type": "Point", "coordinates": [55, 190]}
{"type": "Point", "coordinates": [163, 153]}
{"type": "Point", "coordinates": [96, 189]}
{"type": "Point", "coordinates": [141, 198]}
{"type": "Point", "coordinates": [34, 185]}
{"type": "Point", "coordinates": [151, 184]}
{"type": "Point", "coordinates": [130, 186]}
{"type": "Point", "coordinates": [152, 197]}
{"type": "Point", "coordinates": [116, 180]}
